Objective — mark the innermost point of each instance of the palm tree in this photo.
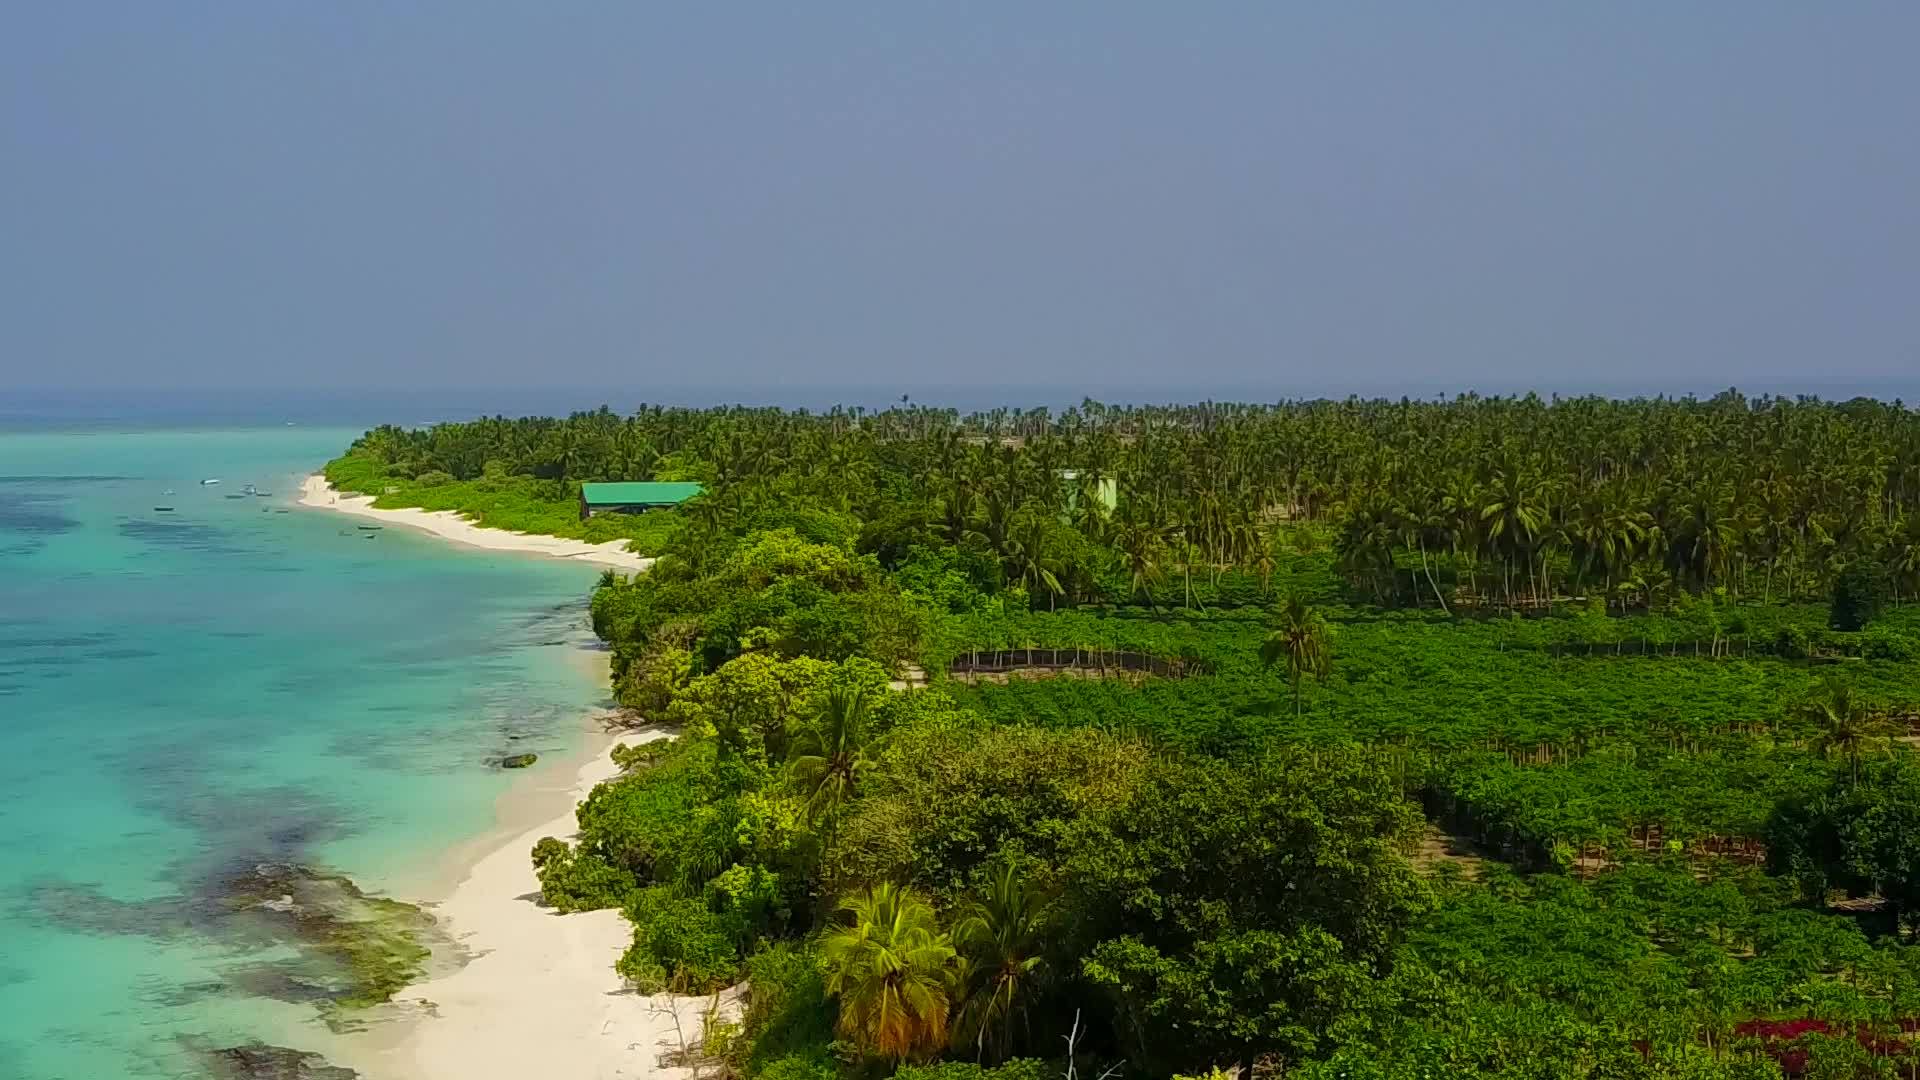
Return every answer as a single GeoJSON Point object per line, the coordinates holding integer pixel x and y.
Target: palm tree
{"type": "Point", "coordinates": [1301, 641]}
{"type": "Point", "coordinates": [1702, 533]}
{"type": "Point", "coordinates": [1030, 558]}
{"type": "Point", "coordinates": [1513, 516]}
{"type": "Point", "coordinates": [1266, 559]}
{"type": "Point", "coordinates": [1140, 546]}
{"type": "Point", "coordinates": [893, 971]}
{"type": "Point", "coordinates": [1364, 549]}
{"type": "Point", "coordinates": [829, 755]}
{"type": "Point", "coordinates": [1000, 938]}
{"type": "Point", "coordinates": [1846, 725]}
{"type": "Point", "coordinates": [1423, 518]}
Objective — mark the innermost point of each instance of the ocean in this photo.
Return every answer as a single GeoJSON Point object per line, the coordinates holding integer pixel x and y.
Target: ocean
{"type": "Point", "coordinates": [188, 694]}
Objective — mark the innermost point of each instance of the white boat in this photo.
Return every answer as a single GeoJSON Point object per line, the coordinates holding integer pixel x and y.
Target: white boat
{"type": "Point", "coordinates": [204, 483]}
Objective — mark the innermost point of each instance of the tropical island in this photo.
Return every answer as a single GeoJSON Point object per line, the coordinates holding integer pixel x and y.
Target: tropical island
{"type": "Point", "coordinates": [1362, 739]}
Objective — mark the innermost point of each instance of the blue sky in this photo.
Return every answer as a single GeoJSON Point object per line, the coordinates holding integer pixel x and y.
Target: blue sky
{"type": "Point", "coordinates": [1203, 198]}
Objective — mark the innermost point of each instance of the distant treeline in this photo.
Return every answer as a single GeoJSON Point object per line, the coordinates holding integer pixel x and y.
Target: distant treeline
{"type": "Point", "coordinates": [1513, 502]}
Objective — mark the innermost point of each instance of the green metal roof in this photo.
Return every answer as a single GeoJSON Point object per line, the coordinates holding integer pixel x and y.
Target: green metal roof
{"type": "Point", "coordinates": [638, 493]}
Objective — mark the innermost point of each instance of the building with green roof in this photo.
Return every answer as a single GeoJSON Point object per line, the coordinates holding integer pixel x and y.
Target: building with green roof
{"type": "Point", "coordinates": [632, 497]}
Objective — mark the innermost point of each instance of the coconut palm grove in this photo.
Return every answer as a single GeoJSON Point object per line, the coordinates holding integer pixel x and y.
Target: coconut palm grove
{"type": "Point", "coordinates": [1499, 737]}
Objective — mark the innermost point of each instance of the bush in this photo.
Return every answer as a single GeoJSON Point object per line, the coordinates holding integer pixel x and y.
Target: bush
{"type": "Point", "coordinates": [798, 1067]}
{"type": "Point", "coordinates": [646, 824]}
{"type": "Point", "coordinates": [1792, 643]}
{"type": "Point", "coordinates": [679, 945]}
{"type": "Point", "coordinates": [655, 680]}
{"type": "Point", "coordinates": [788, 1023]}
{"type": "Point", "coordinates": [574, 880]}
{"type": "Point", "coordinates": [1886, 645]}
{"type": "Point", "coordinates": [641, 754]}
{"type": "Point", "coordinates": [749, 902]}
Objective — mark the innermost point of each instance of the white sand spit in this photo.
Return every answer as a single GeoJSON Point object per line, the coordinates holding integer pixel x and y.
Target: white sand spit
{"type": "Point", "coordinates": [316, 492]}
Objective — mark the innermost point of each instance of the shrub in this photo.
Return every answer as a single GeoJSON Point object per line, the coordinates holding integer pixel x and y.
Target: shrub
{"type": "Point", "coordinates": [788, 1022]}
{"type": "Point", "coordinates": [748, 901]}
{"type": "Point", "coordinates": [679, 945]}
{"type": "Point", "coordinates": [655, 680]}
{"type": "Point", "coordinates": [1885, 645]}
{"type": "Point", "coordinates": [1792, 643]}
{"type": "Point", "coordinates": [574, 880]}
{"type": "Point", "coordinates": [633, 757]}
{"type": "Point", "coordinates": [798, 1067]}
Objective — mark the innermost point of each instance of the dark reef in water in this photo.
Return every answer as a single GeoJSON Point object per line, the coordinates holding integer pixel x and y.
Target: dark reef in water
{"type": "Point", "coordinates": [352, 950]}
{"type": "Point", "coordinates": [258, 1061]}
{"type": "Point", "coordinates": [179, 536]}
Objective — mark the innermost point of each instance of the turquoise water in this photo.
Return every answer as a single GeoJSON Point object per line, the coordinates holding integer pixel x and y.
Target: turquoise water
{"type": "Point", "coordinates": [188, 692]}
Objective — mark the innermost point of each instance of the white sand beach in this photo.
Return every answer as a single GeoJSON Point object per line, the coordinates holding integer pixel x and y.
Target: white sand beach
{"type": "Point", "coordinates": [316, 492]}
{"type": "Point", "coordinates": [540, 997]}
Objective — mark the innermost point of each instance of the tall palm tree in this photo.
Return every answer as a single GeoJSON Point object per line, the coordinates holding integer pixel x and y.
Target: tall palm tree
{"type": "Point", "coordinates": [1140, 545]}
{"type": "Point", "coordinates": [1030, 559]}
{"type": "Point", "coordinates": [1000, 937]}
{"type": "Point", "coordinates": [893, 971]}
{"type": "Point", "coordinates": [829, 755]}
{"type": "Point", "coordinates": [1514, 514]}
{"type": "Point", "coordinates": [1302, 641]}
{"type": "Point", "coordinates": [1846, 725]}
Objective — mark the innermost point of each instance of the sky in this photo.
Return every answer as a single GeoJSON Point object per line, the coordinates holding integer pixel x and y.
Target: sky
{"type": "Point", "coordinates": [752, 199]}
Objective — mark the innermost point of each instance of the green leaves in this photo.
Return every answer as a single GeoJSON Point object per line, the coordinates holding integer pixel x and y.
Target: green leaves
{"type": "Point", "coordinates": [1301, 640]}
{"type": "Point", "coordinates": [1240, 993]}
{"type": "Point", "coordinates": [893, 971]}
{"type": "Point", "coordinates": [829, 754]}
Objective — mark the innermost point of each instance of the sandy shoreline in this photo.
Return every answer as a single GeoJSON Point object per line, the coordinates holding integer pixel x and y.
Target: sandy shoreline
{"type": "Point", "coordinates": [540, 997]}
{"type": "Point", "coordinates": [316, 492]}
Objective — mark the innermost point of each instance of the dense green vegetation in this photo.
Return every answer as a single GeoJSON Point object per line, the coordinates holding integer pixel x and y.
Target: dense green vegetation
{"type": "Point", "coordinates": [1367, 739]}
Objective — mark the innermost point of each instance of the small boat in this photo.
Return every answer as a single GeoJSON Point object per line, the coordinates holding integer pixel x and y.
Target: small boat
{"type": "Point", "coordinates": [169, 491]}
{"type": "Point", "coordinates": [279, 509]}
{"type": "Point", "coordinates": [368, 528]}
{"type": "Point", "coordinates": [163, 509]}
{"type": "Point", "coordinates": [236, 496]}
{"type": "Point", "coordinates": [248, 490]}
{"type": "Point", "coordinates": [369, 536]}
{"type": "Point", "coordinates": [261, 494]}
{"type": "Point", "coordinates": [204, 483]}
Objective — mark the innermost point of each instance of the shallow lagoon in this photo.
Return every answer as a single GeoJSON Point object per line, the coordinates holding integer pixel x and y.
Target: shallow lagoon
{"type": "Point", "coordinates": [185, 693]}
